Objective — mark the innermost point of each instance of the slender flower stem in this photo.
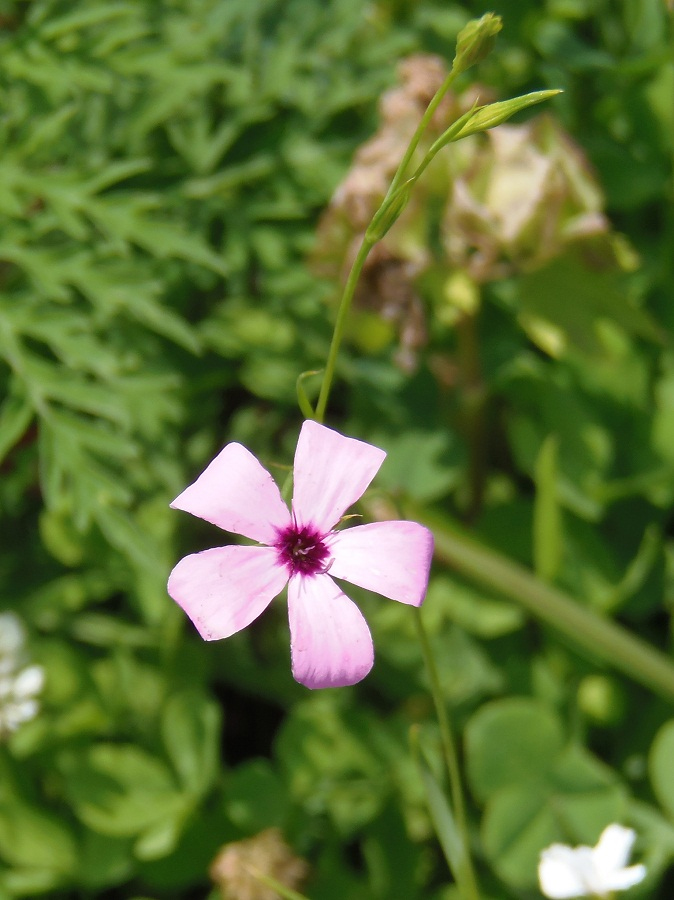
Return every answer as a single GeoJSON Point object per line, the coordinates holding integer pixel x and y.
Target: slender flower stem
{"type": "Point", "coordinates": [451, 759]}
{"type": "Point", "coordinates": [421, 127]}
{"type": "Point", "coordinates": [366, 246]}
{"type": "Point", "coordinates": [342, 313]}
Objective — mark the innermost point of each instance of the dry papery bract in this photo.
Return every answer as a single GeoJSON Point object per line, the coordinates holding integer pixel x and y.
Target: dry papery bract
{"type": "Point", "coordinates": [234, 868]}
{"type": "Point", "coordinates": [489, 206]}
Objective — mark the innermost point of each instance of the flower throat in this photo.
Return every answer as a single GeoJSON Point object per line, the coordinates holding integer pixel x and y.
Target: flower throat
{"type": "Point", "coordinates": [301, 550]}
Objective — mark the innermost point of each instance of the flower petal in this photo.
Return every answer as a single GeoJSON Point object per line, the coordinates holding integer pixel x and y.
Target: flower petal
{"type": "Point", "coordinates": [331, 473]}
{"type": "Point", "coordinates": [559, 873]}
{"type": "Point", "coordinates": [224, 589]}
{"type": "Point", "coordinates": [391, 558]}
{"type": "Point", "coordinates": [625, 878]}
{"type": "Point", "coordinates": [28, 682]}
{"type": "Point", "coordinates": [237, 494]}
{"type": "Point", "coordinates": [613, 848]}
{"type": "Point", "coordinates": [330, 643]}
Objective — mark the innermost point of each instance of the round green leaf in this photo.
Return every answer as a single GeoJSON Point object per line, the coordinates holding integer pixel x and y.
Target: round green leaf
{"type": "Point", "coordinates": [256, 798]}
{"type": "Point", "coordinates": [660, 766]}
{"type": "Point", "coordinates": [571, 805]}
{"type": "Point", "coordinates": [509, 742]}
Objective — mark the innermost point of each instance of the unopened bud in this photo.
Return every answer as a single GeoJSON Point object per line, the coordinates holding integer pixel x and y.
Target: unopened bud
{"type": "Point", "coordinates": [387, 215]}
{"type": "Point", "coordinates": [475, 41]}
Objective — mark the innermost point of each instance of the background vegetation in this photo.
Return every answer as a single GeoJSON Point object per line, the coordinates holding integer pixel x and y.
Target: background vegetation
{"type": "Point", "coordinates": [164, 168]}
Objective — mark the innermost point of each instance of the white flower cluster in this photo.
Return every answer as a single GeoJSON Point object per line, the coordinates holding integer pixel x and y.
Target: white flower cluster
{"type": "Point", "coordinates": [19, 683]}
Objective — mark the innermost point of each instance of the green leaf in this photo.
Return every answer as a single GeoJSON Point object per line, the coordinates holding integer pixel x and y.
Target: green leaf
{"type": "Point", "coordinates": [444, 823]}
{"type": "Point", "coordinates": [302, 397]}
{"type": "Point", "coordinates": [256, 798]}
{"type": "Point", "coordinates": [119, 789]}
{"type": "Point", "coordinates": [330, 762]}
{"type": "Point", "coordinates": [16, 414]}
{"type": "Point", "coordinates": [573, 296]}
{"type": "Point", "coordinates": [511, 741]}
{"type": "Point", "coordinates": [572, 803]}
{"type": "Point", "coordinates": [660, 769]}
{"type": "Point", "coordinates": [595, 634]}
{"type": "Point", "coordinates": [191, 733]}
{"type": "Point", "coordinates": [471, 609]}
{"type": "Point", "coordinates": [160, 839]}
{"type": "Point", "coordinates": [34, 839]}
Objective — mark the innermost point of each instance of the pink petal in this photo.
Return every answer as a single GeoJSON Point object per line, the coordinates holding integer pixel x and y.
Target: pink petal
{"type": "Point", "coordinates": [330, 643]}
{"type": "Point", "coordinates": [224, 589]}
{"type": "Point", "coordinates": [331, 473]}
{"type": "Point", "coordinates": [391, 558]}
{"type": "Point", "coordinates": [235, 493]}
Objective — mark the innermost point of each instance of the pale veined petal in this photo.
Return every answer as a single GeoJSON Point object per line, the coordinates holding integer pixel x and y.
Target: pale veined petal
{"type": "Point", "coordinates": [559, 874]}
{"type": "Point", "coordinates": [237, 494]}
{"type": "Point", "coordinates": [331, 473]}
{"type": "Point", "coordinates": [225, 589]}
{"type": "Point", "coordinates": [391, 558]}
{"type": "Point", "coordinates": [330, 642]}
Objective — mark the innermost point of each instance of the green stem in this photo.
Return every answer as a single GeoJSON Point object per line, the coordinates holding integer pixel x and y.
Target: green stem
{"type": "Point", "coordinates": [421, 127]}
{"type": "Point", "coordinates": [366, 246]}
{"type": "Point", "coordinates": [338, 333]}
{"type": "Point", "coordinates": [595, 634]}
{"type": "Point", "coordinates": [451, 759]}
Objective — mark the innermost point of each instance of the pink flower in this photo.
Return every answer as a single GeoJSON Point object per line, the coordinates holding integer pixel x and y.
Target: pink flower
{"type": "Point", "coordinates": [224, 589]}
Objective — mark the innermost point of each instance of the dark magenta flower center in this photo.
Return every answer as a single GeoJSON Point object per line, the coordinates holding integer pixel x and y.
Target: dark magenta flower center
{"type": "Point", "coordinates": [302, 551]}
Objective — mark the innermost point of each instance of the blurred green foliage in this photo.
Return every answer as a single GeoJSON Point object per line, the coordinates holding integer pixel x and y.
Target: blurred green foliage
{"type": "Point", "coordinates": [164, 166]}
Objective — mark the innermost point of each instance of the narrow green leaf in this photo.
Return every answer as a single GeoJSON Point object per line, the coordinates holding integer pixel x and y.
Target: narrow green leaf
{"type": "Point", "coordinates": [547, 526]}
{"type": "Point", "coordinates": [302, 398]}
{"type": "Point", "coordinates": [16, 414]}
{"type": "Point", "coordinates": [441, 813]}
{"type": "Point", "coordinates": [85, 18]}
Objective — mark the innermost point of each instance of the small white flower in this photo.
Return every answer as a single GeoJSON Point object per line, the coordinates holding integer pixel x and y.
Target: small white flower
{"type": "Point", "coordinates": [12, 634]}
{"type": "Point", "coordinates": [19, 684]}
{"type": "Point", "coordinates": [28, 682]}
{"type": "Point", "coordinates": [565, 872]}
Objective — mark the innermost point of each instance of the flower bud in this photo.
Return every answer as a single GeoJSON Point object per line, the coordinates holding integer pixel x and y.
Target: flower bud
{"type": "Point", "coordinates": [475, 41]}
